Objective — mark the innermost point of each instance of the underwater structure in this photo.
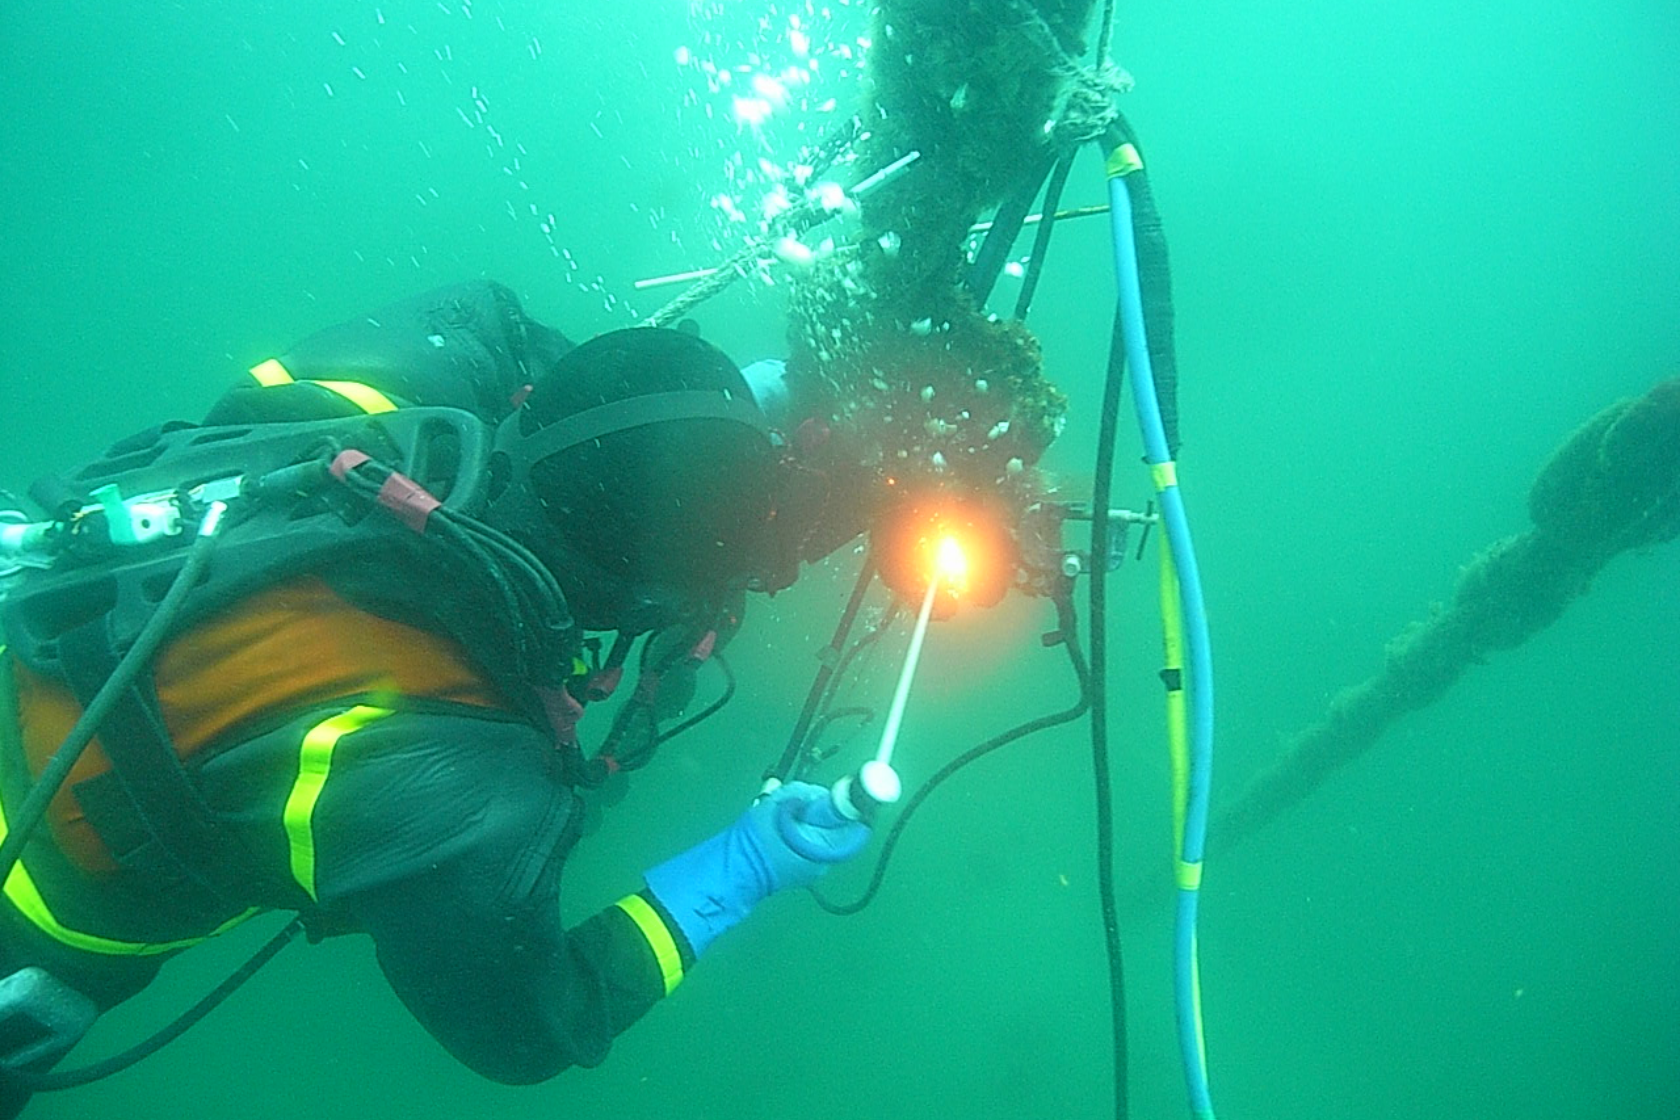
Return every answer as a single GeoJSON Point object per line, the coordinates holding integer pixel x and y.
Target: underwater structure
{"type": "Point", "coordinates": [968, 108]}
{"type": "Point", "coordinates": [1613, 486]}
{"type": "Point", "coordinates": [931, 412]}
{"type": "Point", "coordinates": [928, 381]}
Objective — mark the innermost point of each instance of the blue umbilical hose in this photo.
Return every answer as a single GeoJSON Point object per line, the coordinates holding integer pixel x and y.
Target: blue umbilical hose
{"type": "Point", "coordinates": [1199, 683]}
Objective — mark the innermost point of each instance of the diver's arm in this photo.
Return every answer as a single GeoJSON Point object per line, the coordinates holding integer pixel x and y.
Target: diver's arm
{"type": "Point", "coordinates": [443, 838]}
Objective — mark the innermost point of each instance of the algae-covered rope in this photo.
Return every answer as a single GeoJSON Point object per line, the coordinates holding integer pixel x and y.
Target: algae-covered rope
{"type": "Point", "coordinates": [1088, 108]}
{"type": "Point", "coordinates": [1613, 486]}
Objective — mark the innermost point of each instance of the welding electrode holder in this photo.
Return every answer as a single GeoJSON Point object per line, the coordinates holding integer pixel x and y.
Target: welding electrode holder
{"type": "Point", "coordinates": [854, 798]}
{"type": "Point", "coordinates": [858, 797]}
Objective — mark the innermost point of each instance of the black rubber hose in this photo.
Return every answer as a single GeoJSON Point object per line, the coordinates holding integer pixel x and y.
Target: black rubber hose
{"type": "Point", "coordinates": [837, 679]}
{"type": "Point", "coordinates": [1041, 241]}
{"type": "Point", "coordinates": [876, 632]}
{"type": "Point", "coordinates": [787, 765]}
{"type": "Point", "coordinates": [71, 1078]}
{"type": "Point", "coordinates": [1154, 284]}
{"type": "Point", "coordinates": [535, 573]}
{"type": "Point", "coordinates": [516, 601]}
{"type": "Point", "coordinates": [1006, 226]}
{"type": "Point", "coordinates": [713, 708]}
{"type": "Point", "coordinates": [1101, 490]}
{"type": "Point", "coordinates": [1067, 622]}
{"type": "Point", "coordinates": [864, 715]}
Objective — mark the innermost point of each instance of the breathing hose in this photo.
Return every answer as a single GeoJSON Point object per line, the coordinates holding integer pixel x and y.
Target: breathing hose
{"type": "Point", "coordinates": [138, 657]}
{"type": "Point", "coordinates": [57, 770]}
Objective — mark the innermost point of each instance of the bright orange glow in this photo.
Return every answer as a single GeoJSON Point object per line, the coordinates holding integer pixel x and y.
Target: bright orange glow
{"type": "Point", "coordinates": [953, 563]}
{"type": "Point", "coordinates": [947, 564]}
{"type": "Point", "coordinates": [964, 548]}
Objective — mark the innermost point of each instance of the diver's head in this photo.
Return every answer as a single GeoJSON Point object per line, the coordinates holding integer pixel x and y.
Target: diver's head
{"type": "Point", "coordinates": [641, 470]}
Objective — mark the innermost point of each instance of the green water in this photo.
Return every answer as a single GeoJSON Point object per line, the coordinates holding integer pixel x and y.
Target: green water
{"type": "Point", "coordinates": [1415, 245]}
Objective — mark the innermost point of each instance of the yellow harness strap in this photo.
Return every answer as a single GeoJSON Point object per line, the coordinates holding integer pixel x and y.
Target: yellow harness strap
{"type": "Point", "coordinates": [364, 397]}
{"type": "Point", "coordinates": [270, 373]}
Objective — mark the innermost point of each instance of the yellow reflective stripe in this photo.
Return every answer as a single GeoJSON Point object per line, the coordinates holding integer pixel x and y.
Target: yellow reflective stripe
{"type": "Point", "coordinates": [1186, 875]}
{"type": "Point", "coordinates": [22, 893]}
{"type": "Point", "coordinates": [1172, 664]}
{"type": "Point", "coordinates": [364, 397]}
{"type": "Point", "coordinates": [314, 764]}
{"type": "Point", "coordinates": [1165, 474]}
{"type": "Point", "coordinates": [1178, 755]}
{"type": "Point", "coordinates": [1123, 161]}
{"type": "Point", "coordinates": [659, 938]}
{"type": "Point", "coordinates": [271, 373]}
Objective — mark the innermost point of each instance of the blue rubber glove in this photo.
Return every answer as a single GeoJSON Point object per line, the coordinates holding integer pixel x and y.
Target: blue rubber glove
{"type": "Point", "coordinates": [787, 839]}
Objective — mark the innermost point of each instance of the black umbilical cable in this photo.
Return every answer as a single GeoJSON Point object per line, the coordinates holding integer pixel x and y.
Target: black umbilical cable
{"type": "Point", "coordinates": [1006, 226]}
{"type": "Point", "coordinates": [539, 592]}
{"type": "Point", "coordinates": [516, 602]}
{"type": "Point", "coordinates": [864, 715]}
{"type": "Point", "coordinates": [889, 615]}
{"type": "Point", "coordinates": [526, 562]}
{"type": "Point", "coordinates": [1067, 633]}
{"type": "Point", "coordinates": [713, 708]}
{"type": "Point", "coordinates": [841, 667]}
{"type": "Point", "coordinates": [1101, 490]}
{"type": "Point", "coordinates": [53, 1081]}
{"type": "Point", "coordinates": [526, 588]}
{"type": "Point", "coordinates": [1041, 240]}
{"type": "Point", "coordinates": [787, 765]}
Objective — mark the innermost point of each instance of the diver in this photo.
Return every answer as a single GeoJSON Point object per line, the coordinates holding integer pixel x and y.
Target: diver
{"type": "Point", "coordinates": [365, 710]}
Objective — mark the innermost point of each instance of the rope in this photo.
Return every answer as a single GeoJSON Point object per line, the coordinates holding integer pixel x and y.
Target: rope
{"type": "Point", "coordinates": [1107, 33]}
{"type": "Point", "coordinates": [820, 159]}
{"type": "Point", "coordinates": [1088, 107]}
{"type": "Point", "coordinates": [724, 275]}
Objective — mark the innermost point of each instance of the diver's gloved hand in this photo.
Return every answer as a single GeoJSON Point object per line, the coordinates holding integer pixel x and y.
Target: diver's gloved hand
{"type": "Point", "coordinates": [786, 839]}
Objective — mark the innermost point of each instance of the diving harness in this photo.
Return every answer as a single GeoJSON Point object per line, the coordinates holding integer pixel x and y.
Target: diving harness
{"type": "Point", "coordinates": [182, 521]}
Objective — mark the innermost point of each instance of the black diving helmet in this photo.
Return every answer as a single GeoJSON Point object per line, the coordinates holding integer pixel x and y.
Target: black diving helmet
{"type": "Point", "coordinates": [642, 473]}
